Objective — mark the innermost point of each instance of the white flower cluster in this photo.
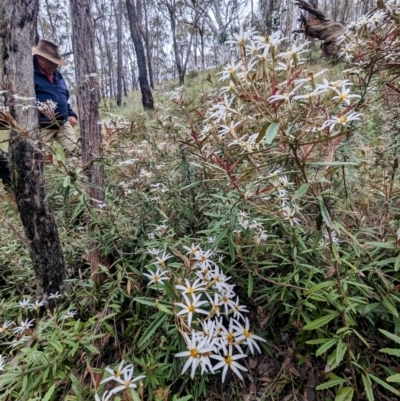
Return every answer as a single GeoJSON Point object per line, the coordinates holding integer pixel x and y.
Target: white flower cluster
{"type": "Point", "coordinates": [260, 57]}
{"type": "Point", "coordinates": [326, 241]}
{"type": "Point", "coordinates": [176, 93]}
{"type": "Point", "coordinates": [123, 377]}
{"type": "Point", "coordinates": [116, 122]}
{"type": "Point", "coordinates": [3, 360]}
{"type": "Point", "coordinates": [48, 107]}
{"type": "Point", "coordinates": [26, 325]}
{"type": "Point", "coordinates": [361, 33]}
{"type": "Point", "coordinates": [211, 319]}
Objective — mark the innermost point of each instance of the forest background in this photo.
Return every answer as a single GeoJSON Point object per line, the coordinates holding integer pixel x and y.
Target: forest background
{"type": "Point", "coordinates": [246, 243]}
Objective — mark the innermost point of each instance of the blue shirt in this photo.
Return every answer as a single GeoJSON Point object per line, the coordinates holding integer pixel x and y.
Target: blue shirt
{"type": "Point", "coordinates": [56, 91]}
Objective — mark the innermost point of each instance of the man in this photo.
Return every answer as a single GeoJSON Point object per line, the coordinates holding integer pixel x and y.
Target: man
{"type": "Point", "coordinates": [51, 88]}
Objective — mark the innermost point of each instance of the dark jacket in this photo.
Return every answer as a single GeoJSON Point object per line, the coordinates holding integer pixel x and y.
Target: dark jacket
{"type": "Point", "coordinates": [57, 92]}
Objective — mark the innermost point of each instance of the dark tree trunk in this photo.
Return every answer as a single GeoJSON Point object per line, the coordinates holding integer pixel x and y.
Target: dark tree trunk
{"type": "Point", "coordinates": [107, 47]}
{"type": "Point", "coordinates": [269, 16]}
{"type": "Point", "coordinates": [148, 48]}
{"type": "Point", "coordinates": [88, 104]}
{"type": "Point", "coordinates": [178, 63]}
{"type": "Point", "coordinates": [147, 97]}
{"type": "Point", "coordinates": [18, 20]}
{"type": "Point", "coordinates": [119, 51]}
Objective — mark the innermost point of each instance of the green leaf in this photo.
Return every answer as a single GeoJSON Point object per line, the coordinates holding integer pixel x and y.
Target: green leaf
{"type": "Point", "coordinates": [393, 337]}
{"type": "Point", "coordinates": [250, 285]}
{"type": "Point", "coordinates": [334, 381]}
{"type": "Point", "coordinates": [322, 321]}
{"type": "Point", "coordinates": [340, 351]}
{"type": "Point", "coordinates": [170, 290]}
{"type": "Point", "coordinates": [145, 301]}
{"type": "Point", "coordinates": [185, 398]}
{"type": "Point", "coordinates": [391, 351]}
{"type": "Point", "coordinates": [67, 181]}
{"type": "Point", "coordinates": [333, 164]}
{"type": "Point", "coordinates": [384, 384]}
{"type": "Point", "coordinates": [49, 393]}
{"type": "Point", "coordinates": [319, 286]}
{"type": "Point", "coordinates": [368, 387]}
{"type": "Point", "coordinates": [164, 309]}
{"type": "Point", "coordinates": [271, 133]}
{"type": "Point", "coordinates": [157, 322]}
{"type": "Point", "coordinates": [301, 191]}
{"type": "Point", "coordinates": [325, 214]}
{"type": "Point", "coordinates": [324, 347]}
{"type": "Point", "coordinates": [394, 378]}
{"type": "Point", "coordinates": [56, 345]}
{"type": "Point", "coordinates": [262, 132]}
{"type": "Point", "coordinates": [345, 394]}
{"type": "Point", "coordinates": [390, 306]}
{"type": "Point", "coordinates": [135, 395]}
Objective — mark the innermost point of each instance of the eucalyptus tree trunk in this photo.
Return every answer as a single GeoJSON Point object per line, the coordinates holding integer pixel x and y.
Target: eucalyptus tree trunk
{"type": "Point", "coordinates": [171, 7]}
{"type": "Point", "coordinates": [88, 96]}
{"type": "Point", "coordinates": [147, 97]}
{"type": "Point", "coordinates": [269, 16]}
{"type": "Point", "coordinates": [18, 19]}
{"type": "Point", "coordinates": [101, 10]}
{"type": "Point", "coordinates": [118, 14]}
{"type": "Point", "coordinates": [148, 47]}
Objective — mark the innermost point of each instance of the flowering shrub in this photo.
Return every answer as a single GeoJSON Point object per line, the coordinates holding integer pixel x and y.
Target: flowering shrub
{"type": "Point", "coordinates": [284, 179]}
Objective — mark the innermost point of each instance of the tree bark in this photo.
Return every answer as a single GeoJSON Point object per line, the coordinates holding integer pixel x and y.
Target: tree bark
{"type": "Point", "coordinates": [119, 51]}
{"type": "Point", "coordinates": [148, 47]}
{"type": "Point", "coordinates": [104, 32]}
{"type": "Point", "coordinates": [269, 20]}
{"type": "Point", "coordinates": [88, 96]}
{"type": "Point", "coordinates": [18, 19]}
{"type": "Point", "coordinates": [147, 97]}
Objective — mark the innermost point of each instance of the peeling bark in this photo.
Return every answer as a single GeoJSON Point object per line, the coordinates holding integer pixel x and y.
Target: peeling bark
{"type": "Point", "coordinates": [147, 96]}
{"type": "Point", "coordinates": [88, 105]}
{"type": "Point", "coordinates": [321, 28]}
{"type": "Point", "coordinates": [18, 19]}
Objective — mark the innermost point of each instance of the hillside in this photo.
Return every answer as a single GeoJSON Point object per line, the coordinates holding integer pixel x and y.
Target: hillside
{"type": "Point", "coordinates": [250, 233]}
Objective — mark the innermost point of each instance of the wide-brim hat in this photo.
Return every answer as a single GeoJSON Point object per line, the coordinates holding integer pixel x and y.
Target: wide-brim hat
{"type": "Point", "coordinates": [49, 51]}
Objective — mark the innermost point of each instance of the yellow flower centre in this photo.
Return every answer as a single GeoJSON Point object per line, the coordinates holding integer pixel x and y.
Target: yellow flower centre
{"type": "Point", "coordinates": [191, 290]}
{"type": "Point", "coordinates": [230, 338]}
{"type": "Point", "coordinates": [217, 279]}
{"type": "Point", "coordinates": [343, 120]}
{"type": "Point", "coordinates": [247, 333]}
{"type": "Point", "coordinates": [228, 360]}
{"type": "Point", "coordinates": [343, 96]}
{"type": "Point", "coordinates": [194, 353]}
{"type": "Point", "coordinates": [191, 308]}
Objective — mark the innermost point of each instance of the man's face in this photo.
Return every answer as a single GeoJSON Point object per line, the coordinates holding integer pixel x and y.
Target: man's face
{"type": "Point", "coordinates": [46, 65]}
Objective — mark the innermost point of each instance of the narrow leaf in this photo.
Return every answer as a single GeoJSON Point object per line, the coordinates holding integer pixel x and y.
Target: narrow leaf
{"type": "Point", "coordinates": [49, 393]}
{"type": "Point", "coordinates": [301, 191]}
{"type": "Point", "coordinates": [262, 132]}
{"type": "Point", "coordinates": [394, 378]}
{"type": "Point", "coordinates": [345, 394]}
{"type": "Point", "coordinates": [322, 321]}
{"type": "Point", "coordinates": [393, 337]}
{"type": "Point", "coordinates": [271, 133]}
{"type": "Point", "coordinates": [384, 384]}
{"type": "Point", "coordinates": [368, 388]}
